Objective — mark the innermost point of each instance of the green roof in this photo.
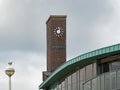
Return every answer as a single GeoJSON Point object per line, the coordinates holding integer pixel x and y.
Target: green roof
{"type": "Point", "coordinates": [80, 61]}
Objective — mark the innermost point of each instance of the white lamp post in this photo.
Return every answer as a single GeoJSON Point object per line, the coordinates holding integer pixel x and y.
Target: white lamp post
{"type": "Point", "coordinates": [9, 71]}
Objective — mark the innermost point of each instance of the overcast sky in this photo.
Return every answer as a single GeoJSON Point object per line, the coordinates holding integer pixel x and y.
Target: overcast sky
{"type": "Point", "coordinates": [91, 24]}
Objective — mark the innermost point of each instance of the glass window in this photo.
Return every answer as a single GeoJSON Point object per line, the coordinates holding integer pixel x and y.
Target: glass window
{"type": "Point", "coordinates": [118, 79]}
{"type": "Point", "coordinates": [94, 84]}
{"type": "Point", "coordinates": [110, 66]}
{"type": "Point", "coordinates": [69, 82]}
{"type": "Point", "coordinates": [102, 82]}
{"type": "Point", "coordinates": [82, 74]}
{"type": "Point", "coordinates": [98, 83]}
{"type": "Point", "coordinates": [94, 70]}
{"type": "Point", "coordinates": [63, 85]}
{"type": "Point", "coordinates": [105, 67]}
{"type": "Point", "coordinates": [115, 66]}
{"type": "Point", "coordinates": [87, 86]}
{"type": "Point", "coordinates": [89, 72]}
{"type": "Point", "coordinates": [113, 80]}
{"type": "Point", "coordinates": [107, 81]}
{"type": "Point", "coordinates": [66, 84]}
{"type": "Point", "coordinates": [74, 81]}
{"type": "Point", "coordinates": [82, 78]}
{"type": "Point", "coordinates": [78, 79]}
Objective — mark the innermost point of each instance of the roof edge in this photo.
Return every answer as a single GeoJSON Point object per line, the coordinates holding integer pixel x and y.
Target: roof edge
{"type": "Point", "coordinates": [56, 16]}
{"type": "Point", "coordinates": [97, 52]}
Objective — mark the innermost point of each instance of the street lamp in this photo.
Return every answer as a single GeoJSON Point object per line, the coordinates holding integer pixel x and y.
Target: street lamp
{"type": "Point", "coordinates": [9, 71]}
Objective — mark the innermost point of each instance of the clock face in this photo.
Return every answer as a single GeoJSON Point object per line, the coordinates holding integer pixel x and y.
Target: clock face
{"type": "Point", "coordinates": [58, 31]}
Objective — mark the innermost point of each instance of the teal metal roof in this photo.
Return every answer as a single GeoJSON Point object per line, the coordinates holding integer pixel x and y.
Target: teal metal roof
{"type": "Point", "coordinates": [81, 60]}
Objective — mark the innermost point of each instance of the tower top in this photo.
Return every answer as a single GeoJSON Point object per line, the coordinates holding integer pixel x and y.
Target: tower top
{"type": "Point", "coordinates": [55, 16]}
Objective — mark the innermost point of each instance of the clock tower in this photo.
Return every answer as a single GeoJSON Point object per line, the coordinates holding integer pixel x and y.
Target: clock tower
{"type": "Point", "coordinates": [56, 41]}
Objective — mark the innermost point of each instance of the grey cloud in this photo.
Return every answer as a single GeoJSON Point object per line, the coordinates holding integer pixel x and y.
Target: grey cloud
{"type": "Point", "coordinates": [22, 30]}
{"type": "Point", "coordinates": [85, 23]}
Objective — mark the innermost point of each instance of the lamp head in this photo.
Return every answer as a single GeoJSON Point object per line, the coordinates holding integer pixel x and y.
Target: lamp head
{"type": "Point", "coordinates": [9, 71]}
{"type": "Point", "coordinates": [9, 63]}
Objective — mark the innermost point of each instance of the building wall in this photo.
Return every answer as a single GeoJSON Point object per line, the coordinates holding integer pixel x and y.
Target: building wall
{"type": "Point", "coordinates": [75, 79]}
{"type": "Point", "coordinates": [105, 81]}
{"type": "Point", "coordinates": [107, 61]}
{"type": "Point", "coordinates": [88, 78]}
{"type": "Point", "coordinates": [56, 42]}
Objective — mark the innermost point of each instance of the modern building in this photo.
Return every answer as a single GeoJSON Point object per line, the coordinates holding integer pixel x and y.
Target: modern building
{"type": "Point", "coordinates": [95, 70]}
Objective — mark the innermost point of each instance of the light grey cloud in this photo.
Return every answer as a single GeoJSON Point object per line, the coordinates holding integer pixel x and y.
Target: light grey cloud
{"type": "Point", "coordinates": [20, 29]}
{"type": "Point", "coordinates": [88, 30]}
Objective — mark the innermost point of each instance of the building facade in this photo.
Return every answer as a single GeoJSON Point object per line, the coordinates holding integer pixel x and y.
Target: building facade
{"type": "Point", "coordinates": [56, 41]}
{"type": "Point", "coordinates": [95, 70]}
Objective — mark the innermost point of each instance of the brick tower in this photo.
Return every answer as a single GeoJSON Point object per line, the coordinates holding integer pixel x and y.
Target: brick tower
{"type": "Point", "coordinates": [56, 41]}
